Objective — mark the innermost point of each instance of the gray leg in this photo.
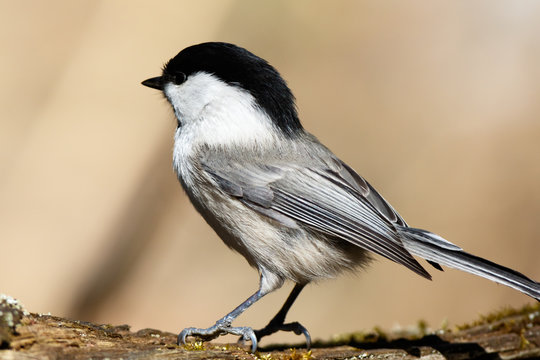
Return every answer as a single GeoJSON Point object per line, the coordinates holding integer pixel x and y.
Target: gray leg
{"type": "Point", "coordinates": [223, 325]}
{"type": "Point", "coordinates": [268, 283]}
{"type": "Point", "coordinates": [278, 322]}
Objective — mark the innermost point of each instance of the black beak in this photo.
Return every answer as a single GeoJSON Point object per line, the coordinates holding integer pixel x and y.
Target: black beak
{"type": "Point", "coordinates": [154, 83]}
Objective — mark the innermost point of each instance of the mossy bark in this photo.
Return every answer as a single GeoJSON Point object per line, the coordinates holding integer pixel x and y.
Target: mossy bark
{"type": "Point", "coordinates": [507, 335]}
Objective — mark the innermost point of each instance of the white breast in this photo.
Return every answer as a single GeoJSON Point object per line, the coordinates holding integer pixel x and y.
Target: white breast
{"type": "Point", "coordinates": [210, 113]}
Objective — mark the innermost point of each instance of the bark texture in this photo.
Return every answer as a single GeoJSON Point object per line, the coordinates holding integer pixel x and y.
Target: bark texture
{"type": "Point", "coordinates": [509, 334]}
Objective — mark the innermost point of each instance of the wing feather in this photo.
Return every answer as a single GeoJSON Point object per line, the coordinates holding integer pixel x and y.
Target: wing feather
{"type": "Point", "coordinates": [320, 199]}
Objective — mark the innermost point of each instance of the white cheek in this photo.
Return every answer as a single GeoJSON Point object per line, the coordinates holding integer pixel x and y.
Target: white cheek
{"type": "Point", "coordinates": [212, 112]}
{"type": "Point", "coordinates": [187, 100]}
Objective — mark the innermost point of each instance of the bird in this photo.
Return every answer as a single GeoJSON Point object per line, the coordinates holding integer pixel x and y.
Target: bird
{"type": "Point", "coordinates": [279, 197]}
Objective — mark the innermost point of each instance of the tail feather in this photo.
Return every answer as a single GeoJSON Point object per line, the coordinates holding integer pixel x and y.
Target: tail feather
{"type": "Point", "coordinates": [435, 249]}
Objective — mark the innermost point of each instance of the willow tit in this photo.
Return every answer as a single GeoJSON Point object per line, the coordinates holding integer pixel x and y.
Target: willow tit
{"type": "Point", "coordinates": [279, 197]}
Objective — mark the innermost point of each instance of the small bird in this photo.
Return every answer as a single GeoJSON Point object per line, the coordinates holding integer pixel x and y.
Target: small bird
{"type": "Point", "coordinates": [279, 197]}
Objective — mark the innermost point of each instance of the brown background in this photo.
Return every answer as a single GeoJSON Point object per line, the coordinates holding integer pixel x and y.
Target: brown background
{"type": "Point", "coordinates": [435, 103]}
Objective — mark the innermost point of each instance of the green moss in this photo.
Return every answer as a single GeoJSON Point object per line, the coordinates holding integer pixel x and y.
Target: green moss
{"type": "Point", "coordinates": [377, 334]}
{"type": "Point", "coordinates": [445, 325]}
{"type": "Point", "coordinates": [195, 346]}
{"type": "Point", "coordinates": [498, 315]}
{"type": "Point", "coordinates": [422, 327]}
{"type": "Point", "coordinates": [523, 342]}
{"type": "Point", "coordinates": [259, 356]}
{"type": "Point", "coordinates": [295, 355]}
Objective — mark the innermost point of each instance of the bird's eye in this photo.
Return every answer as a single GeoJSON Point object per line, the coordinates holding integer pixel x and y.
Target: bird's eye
{"type": "Point", "coordinates": [178, 78]}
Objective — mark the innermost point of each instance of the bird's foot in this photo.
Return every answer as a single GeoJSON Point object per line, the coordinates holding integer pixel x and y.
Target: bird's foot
{"type": "Point", "coordinates": [245, 333]}
{"type": "Point", "coordinates": [274, 327]}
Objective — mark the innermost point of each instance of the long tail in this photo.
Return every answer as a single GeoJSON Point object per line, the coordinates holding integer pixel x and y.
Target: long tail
{"type": "Point", "coordinates": [437, 250]}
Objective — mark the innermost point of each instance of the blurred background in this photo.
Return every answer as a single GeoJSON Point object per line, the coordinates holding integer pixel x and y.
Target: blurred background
{"type": "Point", "coordinates": [435, 103]}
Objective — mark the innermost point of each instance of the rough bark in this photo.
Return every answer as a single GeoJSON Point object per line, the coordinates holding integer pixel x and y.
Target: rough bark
{"type": "Point", "coordinates": [510, 334]}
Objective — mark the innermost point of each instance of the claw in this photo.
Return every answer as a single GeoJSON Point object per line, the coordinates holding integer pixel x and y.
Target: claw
{"type": "Point", "coordinates": [251, 336]}
{"type": "Point", "coordinates": [298, 329]}
{"type": "Point", "coordinates": [223, 325]}
{"type": "Point", "coordinates": [306, 335]}
{"type": "Point", "coordinates": [181, 340]}
{"type": "Point", "coordinates": [245, 333]}
{"type": "Point", "coordinates": [253, 341]}
{"type": "Point", "coordinates": [294, 327]}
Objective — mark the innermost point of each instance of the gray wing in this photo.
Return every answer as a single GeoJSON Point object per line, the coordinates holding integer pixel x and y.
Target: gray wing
{"type": "Point", "coordinates": [336, 202]}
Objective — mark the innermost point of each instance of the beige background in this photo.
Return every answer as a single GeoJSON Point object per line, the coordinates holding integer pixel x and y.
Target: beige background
{"type": "Point", "coordinates": [436, 103]}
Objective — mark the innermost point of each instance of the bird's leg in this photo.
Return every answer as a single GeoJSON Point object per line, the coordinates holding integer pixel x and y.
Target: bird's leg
{"type": "Point", "coordinates": [223, 325]}
{"type": "Point", "coordinates": [278, 322]}
{"type": "Point", "coordinates": [268, 283]}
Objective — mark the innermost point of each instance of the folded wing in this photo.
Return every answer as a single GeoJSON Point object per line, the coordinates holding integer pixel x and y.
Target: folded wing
{"type": "Point", "coordinates": [328, 200]}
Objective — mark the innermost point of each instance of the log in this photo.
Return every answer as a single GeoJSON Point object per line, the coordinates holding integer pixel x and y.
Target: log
{"type": "Point", "coordinates": [508, 334]}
